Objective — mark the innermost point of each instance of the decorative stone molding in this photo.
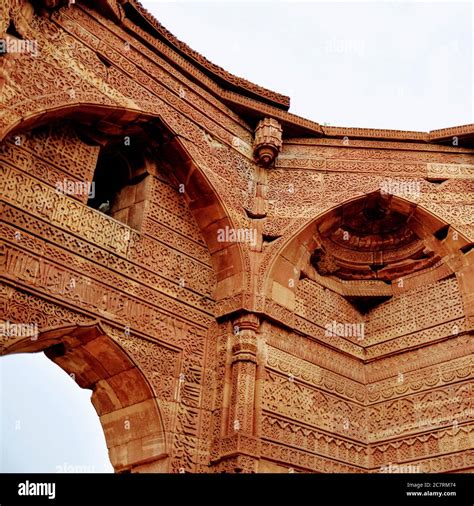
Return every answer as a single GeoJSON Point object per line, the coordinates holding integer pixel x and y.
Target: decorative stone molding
{"type": "Point", "coordinates": [241, 370]}
{"type": "Point", "coordinates": [244, 344]}
{"type": "Point", "coordinates": [235, 444]}
{"type": "Point", "coordinates": [268, 141]}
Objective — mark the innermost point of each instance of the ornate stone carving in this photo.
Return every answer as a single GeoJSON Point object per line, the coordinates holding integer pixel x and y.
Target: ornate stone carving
{"type": "Point", "coordinates": [268, 141]}
{"type": "Point", "coordinates": [234, 340]}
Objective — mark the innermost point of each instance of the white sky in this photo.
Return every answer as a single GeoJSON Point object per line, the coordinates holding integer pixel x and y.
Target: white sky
{"type": "Point", "coordinates": [47, 422]}
{"type": "Point", "coordinates": [394, 65]}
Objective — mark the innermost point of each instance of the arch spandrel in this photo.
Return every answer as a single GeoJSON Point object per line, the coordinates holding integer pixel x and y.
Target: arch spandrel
{"type": "Point", "coordinates": [77, 85]}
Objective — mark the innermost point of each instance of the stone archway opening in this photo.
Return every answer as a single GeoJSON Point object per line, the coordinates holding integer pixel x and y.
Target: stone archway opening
{"type": "Point", "coordinates": [45, 417]}
{"type": "Point", "coordinates": [121, 395]}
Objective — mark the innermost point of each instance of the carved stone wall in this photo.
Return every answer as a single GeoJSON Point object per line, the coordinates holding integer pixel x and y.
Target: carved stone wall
{"type": "Point", "coordinates": [68, 254]}
{"type": "Point", "coordinates": [307, 307]}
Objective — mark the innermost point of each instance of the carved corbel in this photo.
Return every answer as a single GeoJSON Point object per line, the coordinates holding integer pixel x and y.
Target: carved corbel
{"type": "Point", "coordinates": [268, 141]}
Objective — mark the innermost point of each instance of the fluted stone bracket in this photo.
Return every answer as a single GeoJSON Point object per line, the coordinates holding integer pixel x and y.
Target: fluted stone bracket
{"type": "Point", "coordinates": [268, 141]}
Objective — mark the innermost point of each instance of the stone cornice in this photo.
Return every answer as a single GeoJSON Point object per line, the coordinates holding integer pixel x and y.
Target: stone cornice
{"type": "Point", "coordinates": [258, 100]}
{"type": "Point", "coordinates": [226, 79]}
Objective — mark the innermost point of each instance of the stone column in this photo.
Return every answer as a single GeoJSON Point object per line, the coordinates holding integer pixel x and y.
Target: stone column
{"type": "Point", "coordinates": [244, 370]}
{"type": "Point", "coordinates": [239, 448]}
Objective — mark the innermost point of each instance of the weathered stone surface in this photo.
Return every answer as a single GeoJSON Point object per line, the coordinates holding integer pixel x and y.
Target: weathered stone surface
{"type": "Point", "coordinates": [243, 301]}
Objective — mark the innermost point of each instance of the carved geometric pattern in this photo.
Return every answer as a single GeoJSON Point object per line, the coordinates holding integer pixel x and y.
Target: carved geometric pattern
{"type": "Point", "coordinates": [280, 392]}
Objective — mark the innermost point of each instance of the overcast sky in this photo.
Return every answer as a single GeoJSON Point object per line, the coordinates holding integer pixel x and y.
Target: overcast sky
{"type": "Point", "coordinates": [395, 65]}
{"type": "Point", "coordinates": [48, 423]}
{"type": "Point", "coordinates": [406, 66]}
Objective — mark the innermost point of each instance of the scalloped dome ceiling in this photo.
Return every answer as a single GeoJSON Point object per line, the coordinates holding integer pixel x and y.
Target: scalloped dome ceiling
{"type": "Point", "coordinates": [370, 239]}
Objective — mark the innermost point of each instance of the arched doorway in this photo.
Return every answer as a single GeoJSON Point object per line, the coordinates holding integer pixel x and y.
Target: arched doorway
{"type": "Point", "coordinates": [121, 395]}
{"type": "Point", "coordinates": [48, 422]}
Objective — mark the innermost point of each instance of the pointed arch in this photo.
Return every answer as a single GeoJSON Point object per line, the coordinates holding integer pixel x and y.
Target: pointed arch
{"type": "Point", "coordinates": [121, 395]}
{"type": "Point", "coordinates": [203, 199]}
{"type": "Point", "coordinates": [451, 246]}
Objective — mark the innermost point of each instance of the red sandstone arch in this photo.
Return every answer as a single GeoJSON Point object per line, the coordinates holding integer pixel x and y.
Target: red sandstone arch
{"type": "Point", "coordinates": [203, 199]}
{"type": "Point", "coordinates": [124, 400]}
{"type": "Point", "coordinates": [294, 254]}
